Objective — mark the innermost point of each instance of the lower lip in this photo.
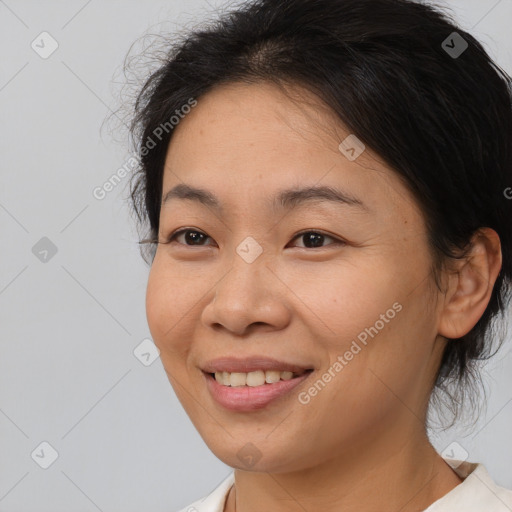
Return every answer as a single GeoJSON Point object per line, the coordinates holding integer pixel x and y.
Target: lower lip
{"type": "Point", "coordinates": [248, 398]}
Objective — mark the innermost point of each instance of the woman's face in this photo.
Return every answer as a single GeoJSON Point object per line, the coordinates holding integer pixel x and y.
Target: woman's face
{"type": "Point", "coordinates": [352, 299]}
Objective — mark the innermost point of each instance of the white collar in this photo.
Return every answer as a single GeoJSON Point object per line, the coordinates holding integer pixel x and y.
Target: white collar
{"type": "Point", "coordinates": [476, 493]}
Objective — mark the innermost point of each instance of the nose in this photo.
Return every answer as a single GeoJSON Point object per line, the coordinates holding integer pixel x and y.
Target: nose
{"type": "Point", "coordinates": [248, 296]}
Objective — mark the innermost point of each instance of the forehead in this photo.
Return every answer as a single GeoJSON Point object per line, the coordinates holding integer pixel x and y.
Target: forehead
{"type": "Point", "coordinates": [251, 115]}
{"type": "Point", "coordinates": [244, 140]}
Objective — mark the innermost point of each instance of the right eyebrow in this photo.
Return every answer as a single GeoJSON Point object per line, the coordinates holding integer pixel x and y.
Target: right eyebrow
{"type": "Point", "coordinates": [287, 199]}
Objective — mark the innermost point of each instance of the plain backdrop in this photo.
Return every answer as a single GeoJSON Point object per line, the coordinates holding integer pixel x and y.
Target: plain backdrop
{"type": "Point", "coordinates": [72, 282]}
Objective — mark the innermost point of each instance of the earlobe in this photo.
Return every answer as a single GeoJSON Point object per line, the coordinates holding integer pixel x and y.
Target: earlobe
{"type": "Point", "coordinates": [471, 285]}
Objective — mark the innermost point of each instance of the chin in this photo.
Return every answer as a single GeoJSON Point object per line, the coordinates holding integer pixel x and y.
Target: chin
{"type": "Point", "coordinates": [249, 454]}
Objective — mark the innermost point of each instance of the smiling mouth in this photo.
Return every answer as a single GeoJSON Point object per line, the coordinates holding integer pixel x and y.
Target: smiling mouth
{"type": "Point", "coordinates": [255, 378]}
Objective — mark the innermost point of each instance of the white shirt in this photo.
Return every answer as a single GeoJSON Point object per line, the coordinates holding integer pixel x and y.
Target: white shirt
{"type": "Point", "coordinates": [476, 493]}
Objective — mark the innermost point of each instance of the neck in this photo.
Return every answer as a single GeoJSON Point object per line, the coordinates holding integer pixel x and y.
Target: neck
{"type": "Point", "coordinates": [408, 476]}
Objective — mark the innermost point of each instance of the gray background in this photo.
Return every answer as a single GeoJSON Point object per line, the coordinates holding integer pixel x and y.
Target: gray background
{"type": "Point", "coordinates": [70, 323]}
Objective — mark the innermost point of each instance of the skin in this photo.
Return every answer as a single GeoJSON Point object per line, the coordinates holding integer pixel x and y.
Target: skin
{"type": "Point", "coordinates": [360, 443]}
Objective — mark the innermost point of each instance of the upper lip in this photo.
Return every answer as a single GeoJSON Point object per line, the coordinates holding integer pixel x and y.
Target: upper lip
{"type": "Point", "coordinates": [250, 364]}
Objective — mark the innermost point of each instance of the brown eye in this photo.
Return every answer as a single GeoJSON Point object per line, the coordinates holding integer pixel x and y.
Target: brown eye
{"type": "Point", "coordinates": [192, 237]}
{"type": "Point", "coordinates": [314, 239]}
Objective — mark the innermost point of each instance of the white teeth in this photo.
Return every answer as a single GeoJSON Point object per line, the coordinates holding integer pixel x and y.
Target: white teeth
{"type": "Point", "coordinates": [256, 378]}
{"type": "Point", "coordinates": [237, 379]}
{"type": "Point", "coordinates": [272, 376]}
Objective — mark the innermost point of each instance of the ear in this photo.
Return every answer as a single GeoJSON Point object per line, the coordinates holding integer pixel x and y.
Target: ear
{"type": "Point", "coordinates": [470, 285]}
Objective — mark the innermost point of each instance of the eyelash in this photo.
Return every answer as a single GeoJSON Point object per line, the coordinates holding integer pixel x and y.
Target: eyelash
{"type": "Point", "coordinates": [173, 236]}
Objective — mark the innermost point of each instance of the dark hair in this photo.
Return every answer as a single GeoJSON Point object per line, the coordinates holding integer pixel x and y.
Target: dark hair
{"type": "Point", "coordinates": [393, 71]}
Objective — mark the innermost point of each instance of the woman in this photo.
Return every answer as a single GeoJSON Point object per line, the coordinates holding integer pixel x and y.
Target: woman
{"type": "Point", "coordinates": [324, 185]}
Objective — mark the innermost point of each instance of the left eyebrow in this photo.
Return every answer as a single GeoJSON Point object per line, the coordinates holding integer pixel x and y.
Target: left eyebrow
{"type": "Point", "coordinates": [287, 199]}
{"type": "Point", "coordinates": [291, 198]}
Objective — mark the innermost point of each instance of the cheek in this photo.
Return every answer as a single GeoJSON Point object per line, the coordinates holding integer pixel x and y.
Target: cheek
{"type": "Point", "coordinates": [365, 314]}
{"type": "Point", "coordinates": [342, 299]}
{"type": "Point", "coordinates": [155, 305]}
{"type": "Point", "coordinates": [166, 307]}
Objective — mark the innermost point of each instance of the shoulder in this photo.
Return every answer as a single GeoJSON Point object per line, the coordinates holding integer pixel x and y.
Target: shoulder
{"type": "Point", "coordinates": [215, 500]}
{"type": "Point", "coordinates": [478, 492]}
{"type": "Point", "coordinates": [492, 496]}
